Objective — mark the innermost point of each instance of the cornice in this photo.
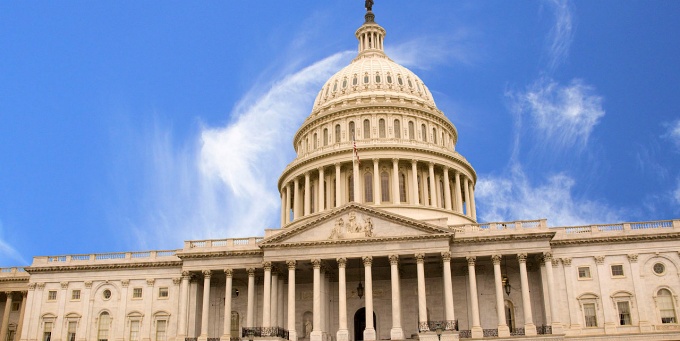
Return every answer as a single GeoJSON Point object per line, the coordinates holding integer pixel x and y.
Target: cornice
{"type": "Point", "coordinates": [483, 239]}
{"type": "Point", "coordinates": [357, 241]}
{"type": "Point", "coordinates": [109, 266]}
{"type": "Point", "coordinates": [608, 239]}
{"type": "Point", "coordinates": [220, 254]}
{"type": "Point", "coordinates": [14, 279]}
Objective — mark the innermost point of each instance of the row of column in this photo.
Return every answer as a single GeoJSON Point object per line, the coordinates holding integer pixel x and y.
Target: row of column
{"type": "Point", "coordinates": [8, 309]}
{"type": "Point", "coordinates": [462, 200]}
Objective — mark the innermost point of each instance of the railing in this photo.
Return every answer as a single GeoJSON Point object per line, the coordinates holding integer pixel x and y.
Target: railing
{"type": "Point", "coordinates": [248, 333]}
{"type": "Point", "coordinates": [112, 256]}
{"type": "Point", "coordinates": [501, 226]}
{"type": "Point", "coordinates": [490, 332]}
{"type": "Point", "coordinates": [465, 334]}
{"type": "Point", "coordinates": [213, 339]}
{"type": "Point", "coordinates": [444, 325]}
{"type": "Point", "coordinates": [234, 338]}
{"type": "Point", "coordinates": [543, 330]}
{"type": "Point", "coordinates": [12, 271]}
{"type": "Point", "coordinates": [230, 242]}
{"type": "Point", "coordinates": [517, 332]}
{"type": "Point", "coordinates": [190, 339]}
{"type": "Point", "coordinates": [661, 224]}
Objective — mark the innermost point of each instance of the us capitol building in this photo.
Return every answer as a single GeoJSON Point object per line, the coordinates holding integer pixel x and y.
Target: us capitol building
{"type": "Point", "coordinates": [382, 244]}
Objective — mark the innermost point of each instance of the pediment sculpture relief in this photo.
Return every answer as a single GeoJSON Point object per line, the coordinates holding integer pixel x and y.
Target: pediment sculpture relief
{"type": "Point", "coordinates": [352, 228]}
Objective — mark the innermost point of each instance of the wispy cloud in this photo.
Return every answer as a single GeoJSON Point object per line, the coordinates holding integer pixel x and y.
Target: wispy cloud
{"type": "Point", "coordinates": [425, 52]}
{"type": "Point", "coordinates": [563, 115]}
{"type": "Point", "coordinates": [561, 34]}
{"type": "Point", "coordinates": [514, 196]}
{"type": "Point", "coordinates": [7, 251]}
{"type": "Point", "coordinates": [672, 132]}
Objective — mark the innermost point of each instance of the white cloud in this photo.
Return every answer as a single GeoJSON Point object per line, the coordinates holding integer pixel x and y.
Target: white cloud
{"type": "Point", "coordinates": [7, 251]}
{"type": "Point", "coordinates": [513, 196]}
{"type": "Point", "coordinates": [561, 34]}
{"type": "Point", "coordinates": [564, 115]}
{"type": "Point", "coordinates": [673, 132]}
{"type": "Point", "coordinates": [426, 52]}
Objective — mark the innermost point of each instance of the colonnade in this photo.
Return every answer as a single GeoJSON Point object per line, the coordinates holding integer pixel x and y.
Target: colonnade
{"type": "Point", "coordinates": [415, 183]}
{"type": "Point", "coordinates": [274, 303]}
{"type": "Point", "coordinates": [4, 331]}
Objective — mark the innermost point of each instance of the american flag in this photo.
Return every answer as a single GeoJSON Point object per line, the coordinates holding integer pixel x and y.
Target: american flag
{"type": "Point", "coordinates": [356, 152]}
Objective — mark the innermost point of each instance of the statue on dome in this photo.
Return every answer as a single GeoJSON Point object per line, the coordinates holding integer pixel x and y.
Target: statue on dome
{"type": "Point", "coordinates": [369, 5]}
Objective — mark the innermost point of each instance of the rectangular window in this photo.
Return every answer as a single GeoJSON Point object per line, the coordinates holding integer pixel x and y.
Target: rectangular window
{"type": "Point", "coordinates": [589, 314]}
{"type": "Point", "coordinates": [71, 336]}
{"type": "Point", "coordinates": [624, 313]}
{"type": "Point", "coordinates": [137, 293]}
{"type": "Point", "coordinates": [583, 272]}
{"type": "Point", "coordinates": [10, 335]}
{"type": "Point", "coordinates": [15, 306]}
{"type": "Point", "coordinates": [161, 326]}
{"type": "Point", "coordinates": [52, 295]}
{"type": "Point", "coordinates": [134, 330]}
{"type": "Point", "coordinates": [75, 295]}
{"type": "Point", "coordinates": [47, 331]}
{"type": "Point", "coordinates": [617, 270]}
{"type": "Point", "coordinates": [163, 292]}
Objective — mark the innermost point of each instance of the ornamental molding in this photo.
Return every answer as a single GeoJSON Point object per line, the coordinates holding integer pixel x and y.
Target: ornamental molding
{"type": "Point", "coordinates": [353, 228]}
{"type": "Point", "coordinates": [610, 239]}
{"type": "Point", "coordinates": [14, 279]}
{"type": "Point", "coordinates": [115, 266]}
{"type": "Point", "coordinates": [483, 239]}
{"type": "Point", "coordinates": [221, 254]}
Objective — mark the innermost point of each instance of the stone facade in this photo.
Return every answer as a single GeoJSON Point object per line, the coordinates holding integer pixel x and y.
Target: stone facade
{"type": "Point", "coordinates": [379, 240]}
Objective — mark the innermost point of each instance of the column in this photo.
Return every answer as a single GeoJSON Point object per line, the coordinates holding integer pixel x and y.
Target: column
{"type": "Point", "coordinates": [292, 333]}
{"type": "Point", "coordinates": [376, 182]}
{"type": "Point", "coordinates": [422, 302]}
{"type": "Point", "coordinates": [477, 331]}
{"type": "Point", "coordinates": [5, 316]}
{"type": "Point", "coordinates": [25, 329]}
{"type": "Point", "coordinates": [448, 290]}
{"type": "Point", "coordinates": [447, 189]}
{"type": "Point", "coordinates": [556, 324]}
{"type": "Point", "coordinates": [396, 333]}
{"type": "Point", "coordinates": [316, 334]}
{"type": "Point", "coordinates": [226, 334]}
{"type": "Point", "coordinates": [466, 186]}
{"type": "Point", "coordinates": [250, 310]}
{"type": "Point", "coordinates": [322, 191]}
{"type": "Point", "coordinates": [343, 333]}
{"type": "Point", "coordinates": [22, 313]}
{"type": "Point", "coordinates": [473, 209]}
{"type": "Point", "coordinates": [607, 304]}
{"type": "Point", "coordinates": [640, 296]}
{"type": "Point", "coordinates": [529, 327]}
{"type": "Point", "coordinates": [183, 298]}
{"type": "Point", "coordinates": [414, 182]}
{"type": "Point", "coordinates": [308, 195]}
{"type": "Point", "coordinates": [296, 199]}
{"type": "Point", "coordinates": [396, 193]}
{"type": "Point", "coordinates": [503, 329]}
{"type": "Point", "coordinates": [546, 294]}
{"type": "Point", "coordinates": [281, 294]}
{"type": "Point", "coordinates": [459, 196]}
{"type": "Point", "coordinates": [206, 305]}
{"type": "Point", "coordinates": [357, 191]}
{"type": "Point", "coordinates": [433, 186]}
{"type": "Point", "coordinates": [338, 186]}
{"type": "Point", "coordinates": [267, 295]}
{"type": "Point", "coordinates": [288, 192]}
{"type": "Point", "coordinates": [369, 332]}
{"type": "Point", "coordinates": [274, 320]}
{"type": "Point", "coordinates": [426, 190]}
{"type": "Point", "coordinates": [570, 278]}
{"type": "Point", "coordinates": [59, 322]}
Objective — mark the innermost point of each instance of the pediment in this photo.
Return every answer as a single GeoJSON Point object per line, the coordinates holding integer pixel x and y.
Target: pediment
{"type": "Point", "coordinates": [355, 222]}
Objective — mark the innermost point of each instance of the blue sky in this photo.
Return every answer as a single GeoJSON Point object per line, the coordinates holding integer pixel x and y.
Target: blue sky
{"type": "Point", "coordinates": [133, 125]}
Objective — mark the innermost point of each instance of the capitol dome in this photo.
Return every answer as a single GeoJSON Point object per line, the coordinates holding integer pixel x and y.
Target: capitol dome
{"type": "Point", "coordinates": [376, 137]}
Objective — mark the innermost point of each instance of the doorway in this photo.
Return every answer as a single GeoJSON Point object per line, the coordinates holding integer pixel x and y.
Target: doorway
{"type": "Point", "coordinates": [360, 324]}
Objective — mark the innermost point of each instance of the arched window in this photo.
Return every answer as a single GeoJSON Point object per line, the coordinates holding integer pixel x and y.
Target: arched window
{"type": "Point", "coordinates": [235, 323]}
{"type": "Point", "coordinates": [366, 79]}
{"type": "Point", "coordinates": [368, 187]}
{"type": "Point", "coordinates": [402, 187]}
{"type": "Point", "coordinates": [344, 83]}
{"type": "Point", "coordinates": [389, 78]}
{"type": "Point", "coordinates": [385, 186]}
{"type": "Point", "coordinates": [325, 136]}
{"type": "Point", "coordinates": [429, 192]}
{"type": "Point", "coordinates": [401, 82]}
{"type": "Point", "coordinates": [355, 81]}
{"type": "Point", "coordinates": [411, 130]}
{"type": "Point", "coordinates": [311, 198]}
{"type": "Point", "coordinates": [420, 190]}
{"type": "Point", "coordinates": [664, 300]}
{"type": "Point", "coordinates": [337, 133]}
{"type": "Point", "coordinates": [335, 86]}
{"type": "Point", "coordinates": [377, 77]}
{"type": "Point", "coordinates": [441, 193]}
{"type": "Point", "coordinates": [423, 131]}
{"type": "Point", "coordinates": [351, 131]}
{"type": "Point", "coordinates": [314, 142]}
{"type": "Point", "coordinates": [335, 202]}
{"type": "Point", "coordinates": [381, 128]}
{"type": "Point", "coordinates": [104, 325]}
{"type": "Point", "coordinates": [510, 315]}
{"type": "Point", "coordinates": [350, 189]}
{"type": "Point", "coordinates": [397, 129]}
{"type": "Point", "coordinates": [306, 144]}
{"type": "Point", "coordinates": [434, 135]}
{"type": "Point", "coordinates": [367, 129]}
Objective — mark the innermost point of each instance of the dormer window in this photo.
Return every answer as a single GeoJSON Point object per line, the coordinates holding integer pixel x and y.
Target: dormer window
{"type": "Point", "coordinates": [400, 81]}
{"type": "Point", "coordinates": [366, 79]}
{"type": "Point", "coordinates": [344, 83]}
{"type": "Point", "coordinates": [355, 81]}
{"type": "Point", "coordinates": [377, 78]}
{"type": "Point", "coordinates": [389, 79]}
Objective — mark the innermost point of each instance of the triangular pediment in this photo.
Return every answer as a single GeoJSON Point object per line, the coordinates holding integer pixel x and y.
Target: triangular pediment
{"type": "Point", "coordinates": [355, 222]}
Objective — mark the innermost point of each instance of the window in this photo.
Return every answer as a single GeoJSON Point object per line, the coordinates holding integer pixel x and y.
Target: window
{"type": "Point", "coordinates": [590, 315]}
{"type": "Point", "coordinates": [510, 315]}
{"type": "Point", "coordinates": [385, 186]}
{"type": "Point", "coordinates": [401, 82]}
{"type": "Point", "coordinates": [368, 187]}
{"type": "Point", "coordinates": [106, 294]}
{"type": "Point", "coordinates": [441, 193]}
{"type": "Point", "coordinates": [337, 133]}
{"type": "Point", "coordinates": [377, 78]}
{"type": "Point", "coordinates": [423, 131]}
{"type": "Point", "coordinates": [366, 79]}
{"type": "Point", "coordinates": [134, 330]}
{"type": "Point", "coordinates": [659, 268]}
{"type": "Point", "coordinates": [137, 293]}
{"type": "Point", "coordinates": [10, 334]}
{"type": "Point", "coordinates": [429, 192]}
{"type": "Point", "coordinates": [103, 329]}
{"type": "Point", "coordinates": [355, 81]}
{"type": "Point", "coordinates": [624, 313]}
{"type": "Point", "coordinates": [367, 129]}
{"type": "Point", "coordinates": [47, 331]}
{"type": "Point", "coordinates": [389, 78]}
{"type": "Point", "coordinates": [583, 272]}
{"type": "Point", "coordinates": [381, 128]}
{"type": "Point", "coordinates": [163, 292]}
{"type": "Point", "coordinates": [311, 198]}
{"type": "Point", "coordinates": [397, 129]}
{"type": "Point", "coordinates": [351, 131]}
{"type": "Point", "coordinates": [314, 141]}
{"type": "Point", "coordinates": [325, 136]}
{"type": "Point", "coordinates": [161, 328]}
{"type": "Point", "coordinates": [350, 189]}
{"type": "Point", "coordinates": [15, 306]}
{"type": "Point", "coordinates": [402, 187]}
{"type": "Point", "coordinates": [52, 295]}
{"type": "Point", "coordinates": [420, 189]}
{"type": "Point", "coordinates": [410, 85]}
{"type": "Point", "coordinates": [617, 270]}
{"type": "Point", "coordinates": [411, 130]}
{"type": "Point", "coordinates": [75, 294]}
{"type": "Point", "coordinates": [666, 307]}
{"type": "Point", "coordinates": [344, 83]}
{"type": "Point", "coordinates": [71, 331]}
{"type": "Point", "coordinates": [434, 135]}
{"type": "Point", "coordinates": [335, 86]}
